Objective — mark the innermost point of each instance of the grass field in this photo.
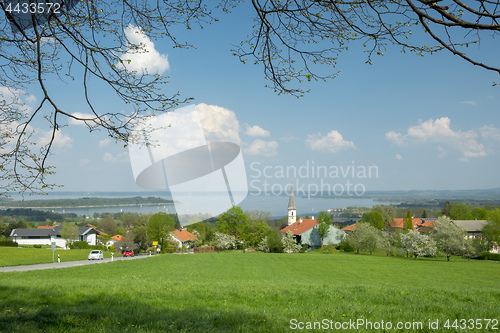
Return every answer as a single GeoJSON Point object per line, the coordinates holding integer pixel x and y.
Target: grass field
{"type": "Point", "coordinates": [14, 256]}
{"type": "Point", "coordinates": [250, 292]}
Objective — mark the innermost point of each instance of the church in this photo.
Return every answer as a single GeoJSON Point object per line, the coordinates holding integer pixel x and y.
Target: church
{"type": "Point", "coordinates": [306, 230]}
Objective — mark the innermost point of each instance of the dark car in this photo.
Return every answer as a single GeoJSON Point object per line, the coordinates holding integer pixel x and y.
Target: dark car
{"type": "Point", "coordinates": [128, 253]}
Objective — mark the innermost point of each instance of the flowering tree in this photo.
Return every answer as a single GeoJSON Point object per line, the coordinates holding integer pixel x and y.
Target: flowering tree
{"type": "Point", "coordinates": [264, 244]}
{"type": "Point", "coordinates": [198, 240]}
{"type": "Point", "coordinates": [224, 241]}
{"type": "Point", "coordinates": [418, 244]}
{"type": "Point", "coordinates": [450, 238]}
{"type": "Point", "coordinates": [289, 243]}
{"type": "Point", "coordinates": [365, 237]}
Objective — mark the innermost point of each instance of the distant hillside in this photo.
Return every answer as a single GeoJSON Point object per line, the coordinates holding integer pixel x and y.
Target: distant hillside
{"type": "Point", "coordinates": [31, 215]}
{"type": "Point", "coordinates": [438, 198]}
{"type": "Point", "coordinates": [84, 202]}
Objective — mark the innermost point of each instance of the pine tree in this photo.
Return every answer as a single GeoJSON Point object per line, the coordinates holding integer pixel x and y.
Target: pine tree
{"type": "Point", "coordinates": [446, 208]}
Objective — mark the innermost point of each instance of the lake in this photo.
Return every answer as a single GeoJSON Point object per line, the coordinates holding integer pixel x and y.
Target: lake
{"type": "Point", "coordinates": [277, 205]}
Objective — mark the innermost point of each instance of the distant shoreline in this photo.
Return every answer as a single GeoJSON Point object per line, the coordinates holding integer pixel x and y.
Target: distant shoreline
{"type": "Point", "coordinates": [90, 206]}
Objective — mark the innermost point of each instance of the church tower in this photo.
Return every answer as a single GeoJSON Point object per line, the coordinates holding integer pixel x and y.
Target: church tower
{"type": "Point", "coordinates": [292, 210]}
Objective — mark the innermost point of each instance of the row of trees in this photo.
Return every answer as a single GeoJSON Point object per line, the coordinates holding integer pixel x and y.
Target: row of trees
{"type": "Point", "coordinates": [445, 237]}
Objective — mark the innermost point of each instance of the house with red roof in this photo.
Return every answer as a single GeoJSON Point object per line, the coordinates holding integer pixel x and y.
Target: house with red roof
{"type": "Point", "coordinates": [350, 228]}
{"type": "Point", "coordinates": [182, 237]}
{"type": "Point", "coordinates": [424, 225]}
{"type": "Point", "coordinates": [116, 241]}
{"type": "Point", "coordinates": [305, 231]}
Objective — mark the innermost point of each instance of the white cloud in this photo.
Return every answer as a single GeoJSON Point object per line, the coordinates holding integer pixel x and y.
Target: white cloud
{"type": "Point", "coordinates": [141, 55]}
{"type": "Point", "coordinates": [17, 98]}
{"type": "Point", "coordinates": [469, 102]}
{"type": "Point", "coordinates": [490, 132]}
{"type": "Point", "coordinates": [333, 142]}
{"type": "Point", "coordinates": [261, 147]}
{"type": "Point", "coordinates": [84, 162]}
{"type": "Point", "coordinates": [439, 132]}
{"type": "Point", "coordinates": [60, 140]}
{"type": "Point", "coordinates": [80, 115]}
{"type": "Point", "coordinates": [186, 128]}
{"type": "Point", "coordinates": [123, 157]}
{"type": "Point", "coordinates": [256, 131]}
{"type": "Point", "coordinates": [397, 138]}
{"type": "Point", "coordinates": [104, 142]}
{"type": "Point", "coordinates": [219, 124]}
{"type": "Point", "coordinates": [288, 138]}
{"type": "Point", "coordinates": [398, 157]}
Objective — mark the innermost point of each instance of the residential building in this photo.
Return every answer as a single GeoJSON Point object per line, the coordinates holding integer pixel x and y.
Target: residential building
{"type": "Point", "coordinates": [472, 227]}
{"type": "Point", "coordinates": [116, 241]}
{"type": "Point", "coordinates": [306, 230]}
{"type": "Point", "coordinates": [182, 237]}
{"type": "Point", "coordinates": [46, 235]}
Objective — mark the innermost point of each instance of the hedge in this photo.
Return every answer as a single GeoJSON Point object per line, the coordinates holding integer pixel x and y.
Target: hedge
{"type": "Point", "coordinates": [9, 243]}
{"type": "Point", "coordinates": [490, 256]}
{"type": "Point", "coordinates": [204, 249]}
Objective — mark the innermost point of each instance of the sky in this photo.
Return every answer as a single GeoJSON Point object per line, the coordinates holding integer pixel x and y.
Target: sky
{"type": "Point", "coordinates": [405, 122]}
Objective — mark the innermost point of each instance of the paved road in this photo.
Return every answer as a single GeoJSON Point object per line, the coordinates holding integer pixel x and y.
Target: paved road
{"type": "Point", "coordinates": [64, 264]}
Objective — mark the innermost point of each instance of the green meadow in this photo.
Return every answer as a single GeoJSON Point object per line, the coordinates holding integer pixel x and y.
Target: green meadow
{"type": "Point", "coordinates": [16, 256]}
{"type": "Point", "coordinates": [253, 292]}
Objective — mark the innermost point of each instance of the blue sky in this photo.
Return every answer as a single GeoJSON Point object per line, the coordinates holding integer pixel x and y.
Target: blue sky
{"type": "Point", "coordinates": [423, 122]}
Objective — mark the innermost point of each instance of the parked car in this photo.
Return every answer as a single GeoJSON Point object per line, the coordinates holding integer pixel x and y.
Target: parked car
{"type": "Point", "coordinates": [128, 253]}
{"type": "Point", "coordinates": [96, 255]}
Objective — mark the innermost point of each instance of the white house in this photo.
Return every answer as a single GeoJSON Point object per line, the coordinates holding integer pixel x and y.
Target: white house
{"type": "Point", "coordinates": [46, 235]}
{"type": "Point", "coordinates": [116, 241]}
{"type": "Point", "coordinates": [182, 237]}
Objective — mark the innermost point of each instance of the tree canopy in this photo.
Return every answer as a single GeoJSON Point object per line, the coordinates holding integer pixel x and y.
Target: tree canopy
{"type": "Point", "coordinates": [450, 238]}
{"type": "Point", "coordinates": [375, 219]}
{"type": "Point", "coordinates": [159, 225]}
{"type": "Point", "coordinates": [70, 233]}
{"type": "Point", "coordinates": [232, 222]}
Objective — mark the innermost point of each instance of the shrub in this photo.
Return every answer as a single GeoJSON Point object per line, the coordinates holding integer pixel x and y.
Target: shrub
{"type": "Point", "coordinates": [37, 246]}
{"type": "Point", "coordinates": [345, 246]}
{"type": "Point", "coordinates": [81, 245]}
{"type": "Point", "coordinates": [490, 256]}
{"type": "Point", "coordinates": [169, 247]}
{"type": "Point", "coordinates": [204, 249]}
{"type": "Point", "coordinates": [328, 249]}
{"type": "Point", "coordinates": [304, 248]}
{"type": "Point", "coordinates": [8, 243]}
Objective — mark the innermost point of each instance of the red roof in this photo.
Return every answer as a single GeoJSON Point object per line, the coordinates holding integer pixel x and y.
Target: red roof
{"type": "Point", "coordinates": [183, 235]}
{"type": "Point", "coordinates": [351, 227]}
{"type": "Point", "coordinates": [45, 227]}
{"type": "Point", "coordinates": [301, 226]}
{"type": "Point", "coordinates": [119, 238]}
{"type": "Point", "coordinates": [399, 223]}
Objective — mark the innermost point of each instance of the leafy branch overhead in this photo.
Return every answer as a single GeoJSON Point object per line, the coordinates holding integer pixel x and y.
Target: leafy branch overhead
{"type": "Point", "coordinates": [292, 38]}
{"type": "Point", "coordinates": [87, 44]}
{"type": "Point", "coordinates": [81, 45]}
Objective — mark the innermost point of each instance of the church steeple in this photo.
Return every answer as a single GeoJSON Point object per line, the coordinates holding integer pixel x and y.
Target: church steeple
{"type": "Point", "coordinates": [292, 210]}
